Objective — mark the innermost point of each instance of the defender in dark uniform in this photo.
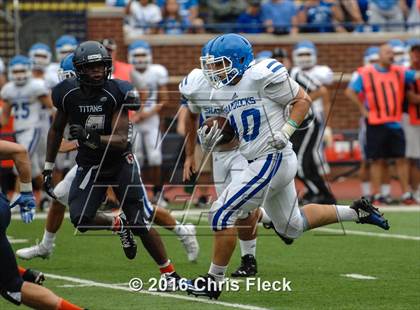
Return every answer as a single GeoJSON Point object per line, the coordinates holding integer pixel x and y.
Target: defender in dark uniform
{"type": "Point", "coordinates": [96, 108]}
{"type": "Point", "coordinates": [18, 285]}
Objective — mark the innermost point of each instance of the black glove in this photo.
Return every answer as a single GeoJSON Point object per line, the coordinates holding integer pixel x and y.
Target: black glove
{"type": "Point", "coordinates": [87, 137]}
{"type": "Point", "coordinates": [48, 187]}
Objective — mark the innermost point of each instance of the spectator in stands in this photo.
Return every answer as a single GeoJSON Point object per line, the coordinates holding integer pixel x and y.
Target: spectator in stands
{"type": "Point", "coordinates": [173, 22]}
{"type": "Point", "coordinates": [279, 17]}
{"type": "Point", "coordinates": [143, 17]}
{"type": "Point", "coordinates": [383, 86]}
{"type": "Point", "coordinates": [412, 128]}
{"type": "Point", "coordinates": [251, 20]}
{"type": "Point", "coordinates": [189, 12]}
{"type": "Point", "coordinates": [320, 16]}
{"type": "Point", "coordinates": [387, 15]}
{"type": "Point", "coordinates": [225, 13]}
{"type": "Point", "coordinates": [414, 17]}
{"type": "Point", "coordinates": [116, 3]}
{"type": "Point", "coordinates": [352, 16]}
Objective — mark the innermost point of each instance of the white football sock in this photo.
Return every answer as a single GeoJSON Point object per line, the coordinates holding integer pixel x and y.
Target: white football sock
{"type": "Point", "coordinates": [265, 219]}
{"type": "Point", "coordinates": [248, 247]}
{"type": "Point", "coordinates": [365, 189]}
{"type": "Point", "coordinates": [218, 272]}
{"type": "Point", "coordinates": [48, 239]}
{"type": "Point", "coordinates": [385, 190]}
{"type": "Point", "coordinates": [345, 213]}
{"type": "Point", "coordinates": [180, 229]}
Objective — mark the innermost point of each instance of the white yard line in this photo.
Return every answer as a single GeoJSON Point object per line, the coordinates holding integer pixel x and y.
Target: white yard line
{"type": "Point", "coordinates": [358, 276]}
{"type": "Point", "coordinates": [12, 240]}
{"type": "Point", "coordinates": [160, 294]}
{"type": "Point", "coordinates": [367, 233]}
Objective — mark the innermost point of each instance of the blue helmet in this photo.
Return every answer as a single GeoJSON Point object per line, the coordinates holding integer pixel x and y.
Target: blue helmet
{"type": "Point", "coordinates": [400, 51]}
{"type": "Point", "coordinates": [140, 54]}
{"type": "Point", "coordinates": [66, 70]}
{"type": "Point", "coordinates": [64, 45]}
{"type": "Point", "coordinates": [305, 54]}
{"type": "Point", "coordinates": [371, 55]}
{"type": "Point", "coordinates": [224, 58]}
{"type": "Point", "coordinates": [263, 55]}
{"type": "Point", "coordinates": [40, 55]}
{"type": "Point", "coordinates": [19, 70]}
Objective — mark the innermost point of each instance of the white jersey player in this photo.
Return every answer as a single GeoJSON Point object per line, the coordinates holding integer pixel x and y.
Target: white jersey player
{"type": "Point", "coordinates": [24, 98]}
{"type": "Point", "coordinates": [151, 80]}
{"type": "Point", "coordinates": [266, 107]}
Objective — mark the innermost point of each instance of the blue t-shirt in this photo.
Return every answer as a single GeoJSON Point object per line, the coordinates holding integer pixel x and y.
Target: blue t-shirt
{"type": "Point", "coordinates": [319, 18]}
{"type": "Point", "coordinates": [250, 23]}
{"type": "Point", "coordinates": [174, 26]}
{"type": "Point", "coordinates": [184, 6]}
{"type": "Point", "coordinates": [280, 13]}
{"type": "Point", "coordinates": [385, 4]}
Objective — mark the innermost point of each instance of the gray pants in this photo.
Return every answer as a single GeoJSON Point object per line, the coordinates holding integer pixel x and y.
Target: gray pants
{"type": "Point", "coordinates": [387, 20]}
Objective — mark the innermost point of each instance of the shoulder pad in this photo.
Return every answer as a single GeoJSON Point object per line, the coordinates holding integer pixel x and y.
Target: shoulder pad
{"type": "Point", "coordinates": [192, 82]}
{"type": "Point", "coordinates": [268, 71]}
{"type": "Point", "coordinates": [6, 92]}
{"type": "Point", "coordinates": [38, 87]}
{"type": "Point", "coordinates": [122, 85]}
{"type": "Point", "coordinates": [324, 74]}
{"type": "Point", "coordinates": [161, 74]}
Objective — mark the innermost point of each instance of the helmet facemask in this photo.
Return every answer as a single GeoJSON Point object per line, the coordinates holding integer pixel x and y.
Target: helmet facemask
{"type": "Point", "coordinates": [65, 74]}
{"type": "Point", "coordinates": [140, 59]}
{"type": "Point", "coordinates": [218, 71]}
{"type": "Point", "coordinates": [304, 59]}
{"type": "Point", "coordinates": [40, 59]}
{"type": "Point", "coordinates": [20, 74]}
{"type": "Point", "coordinates": [85, 71]}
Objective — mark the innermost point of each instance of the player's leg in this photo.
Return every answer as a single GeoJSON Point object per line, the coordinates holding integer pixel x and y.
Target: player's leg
{"type": "Point", "coordinates": [247, 235]}
{"type": "Point", "coordinates": [130, 192]}
{"type": "Point", "coordinates": [185, 232]}
{"type": "Point", "coordinates": [54, 220]}
{"type": "Point", "coordinates": [39, 297]}
{"type": "Point", "coordinates": [241, 196]}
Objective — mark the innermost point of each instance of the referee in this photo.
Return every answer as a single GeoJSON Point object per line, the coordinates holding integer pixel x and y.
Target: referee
{"type": "Point", "coordinates": [305, 140]}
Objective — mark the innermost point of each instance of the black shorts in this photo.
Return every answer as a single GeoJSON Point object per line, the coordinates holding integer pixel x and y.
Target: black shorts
{"type": "Point", "coordinates": [10, 280]}
{"type": "Point", "coordinates": [384, 142]}
{"type": "Point", "coordinates": [88, 190]}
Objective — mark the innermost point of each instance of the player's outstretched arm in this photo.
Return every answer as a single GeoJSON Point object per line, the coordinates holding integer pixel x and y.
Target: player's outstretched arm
{"type": "Point", "coordinates": [55, 135]}
{"type": "Point", "coordinates": [301, 104]}
{"type": "Point", "coordinates": [46, 101]}
{"type": "Point", "coordinates": [191, 125]}
{"type": "Point", "coordinates": [19, 155]}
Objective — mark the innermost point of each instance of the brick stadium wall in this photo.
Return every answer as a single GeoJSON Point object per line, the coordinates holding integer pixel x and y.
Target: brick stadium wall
{"type": "Point", "coordinates": [179, 54]}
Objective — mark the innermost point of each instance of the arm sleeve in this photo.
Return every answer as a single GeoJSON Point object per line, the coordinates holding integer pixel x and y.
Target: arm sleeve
{"type": "Point", "coordinates": [356, 84]}
{"type": "Point", "coordinates": [409, 76]}
{"type": "Point", "coordinates": [282, 92]}
{"type": "Point", "coordinates": [57, 99]}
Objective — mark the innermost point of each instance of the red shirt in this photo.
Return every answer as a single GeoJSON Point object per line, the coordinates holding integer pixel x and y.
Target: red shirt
{"type": "Point", "coordinates": [122, 71]}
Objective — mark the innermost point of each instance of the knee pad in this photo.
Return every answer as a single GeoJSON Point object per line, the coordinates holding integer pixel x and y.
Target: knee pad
{"type": "Point", "coordinates": [294, 228]}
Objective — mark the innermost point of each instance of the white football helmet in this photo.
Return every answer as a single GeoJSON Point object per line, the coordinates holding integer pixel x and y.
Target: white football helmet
{"type": "Point", "coordinates": [305, 54]}
{"type": "Point", "coordinates": [40, 55]}
{"type": "Point", "coordinates": [20, 70]}
{"type": "Point", "coordinates": [140, 54]}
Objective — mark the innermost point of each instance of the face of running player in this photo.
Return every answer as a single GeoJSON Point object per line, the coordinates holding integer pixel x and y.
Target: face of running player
{"type": "Point", "coordinates": [95, 71]}
{"type": "Point", "coordinates": [386, 55]}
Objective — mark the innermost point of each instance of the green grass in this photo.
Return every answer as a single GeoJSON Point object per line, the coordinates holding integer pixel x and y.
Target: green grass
{"type": "Point", "coordinates": [314, 264]}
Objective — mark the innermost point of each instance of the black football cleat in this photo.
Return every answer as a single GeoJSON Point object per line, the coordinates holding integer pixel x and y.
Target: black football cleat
{"type": "Point", "coordinates": [33, 276]}
{"type": "Point", "coordinates": [127, 238]}
{"type": "Point", "coordinates": [286, 240]}
{"type": "Point", "coordinates": [205, 286]}
{"type": "Point", "coordinates": [248, 267]}
{"type": "Point", "coordinates": [368, 214]}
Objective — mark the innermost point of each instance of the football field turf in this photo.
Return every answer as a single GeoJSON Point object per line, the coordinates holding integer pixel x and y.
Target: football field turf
{"type": "Point", "coordinates": [342, 267]}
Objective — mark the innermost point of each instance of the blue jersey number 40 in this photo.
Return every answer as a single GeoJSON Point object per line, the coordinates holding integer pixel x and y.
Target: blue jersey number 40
{"type": "Point", "coordinates": [251, 119]}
